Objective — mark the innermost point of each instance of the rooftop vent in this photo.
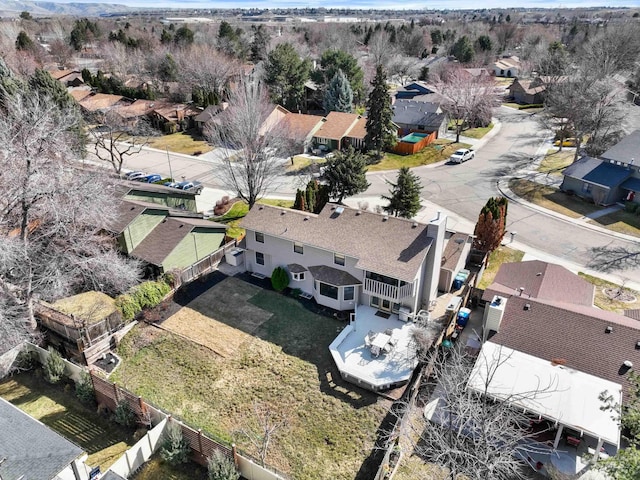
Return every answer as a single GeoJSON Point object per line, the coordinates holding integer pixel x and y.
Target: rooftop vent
{"type": "Point", "coordinates": [638, 345]}
{"type": "Point", "coordinates": [538, 274]}
{"type": "Point", "coordinates": [527, 306]}
{"type": "Point", "coordinates": [627, 363]}
{"type": "Point", "coordinates": [358, 212]}
{"type": "Point", "coordinates": [339, 210]}
{"type": "Point", "coordinates": [260, 207]}
{"type": "Point", "coordinates": [609, 329]}
{"type": "Point", "coordinates": [414, 225]}
{"type": "Point", "coordinates": [385, 218]}
{"type": "Point", "coordinates": [306, 217]}
{"type": "Point", "coordinates": [282, 212]}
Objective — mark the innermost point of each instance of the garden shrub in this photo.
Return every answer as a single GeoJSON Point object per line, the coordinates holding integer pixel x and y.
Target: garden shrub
{"type": "Point", "coordinates": [279, 279]}
{"type": "Point", "coordinates": [149, 294]}
{"type": "Point", "coordinates": [53, 367]}
{"type": "Point", "coordinates": [84, 389]}
{"type": "Point", "coordinates": [26, 360]}
{"type": "Point", "coordinates": [631, 207]}
{"type": "Point", "coordinates": [175, 448]}
{"type": "Point", "coordinates": [128, 306]}
{"type": "Point", "coordinates": [221, 467]}
{"type": "Point", "coordinates": [124, 414]}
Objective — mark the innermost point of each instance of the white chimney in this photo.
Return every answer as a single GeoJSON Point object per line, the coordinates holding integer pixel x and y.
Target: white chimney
{"type": "Point", "coordinates": [493, 313]}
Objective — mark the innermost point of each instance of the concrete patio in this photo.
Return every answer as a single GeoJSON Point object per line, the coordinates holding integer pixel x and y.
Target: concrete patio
{"type": "Point", "coordinates": [355, 360]}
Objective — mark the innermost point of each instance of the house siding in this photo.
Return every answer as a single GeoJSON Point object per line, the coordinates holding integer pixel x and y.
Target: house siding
{"type": "Point", "coordinates": [168, 200]}
{"type": "Point", "coordinates": [197, 245]}
{"type": "Point", "coordinates": [139, 228]}
{"type": "Point", "coordinates": [603, 196]}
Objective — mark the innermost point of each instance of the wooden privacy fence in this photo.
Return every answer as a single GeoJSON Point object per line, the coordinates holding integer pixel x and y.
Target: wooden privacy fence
{"type": "Point", "coordinates": [206, 265]}
{"type": "Point", "coordinates": [109, 394]}
{"type": "Point", "coordinates": [406, 148]}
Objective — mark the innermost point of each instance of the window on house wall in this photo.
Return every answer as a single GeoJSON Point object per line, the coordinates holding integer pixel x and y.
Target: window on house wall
{"type": "Point", "coordinates": [586, 188]}
{"type": "Point", "coordinates": [327, 290]}
{"type": "Point", "coordinates": [259, 237]}
{"type": "Point", "coordinates": [338, 259]}
{"type": "Point", "coordinates": [260, 258]}
{"type": "Point", "coordinates": [349, 293]}
{"type": "Point", "coordinates": [298, 247]}
{"type": "Point", "coordinates": [298, 276]}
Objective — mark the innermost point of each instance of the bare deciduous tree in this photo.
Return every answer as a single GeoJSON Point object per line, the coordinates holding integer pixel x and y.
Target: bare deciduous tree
{"type": "Point", "coordinates": [262, 428]}
{"type": "Point", "coordinates": [253, 142]}
{"type": "Point", "coordinates": [51, 214]}
{"type": "Point", "coordinates": [114, 138]}
{"type": "Point", "coordinates": [469, 434]}
{"type": "Point", "coordinates": [468, 100]}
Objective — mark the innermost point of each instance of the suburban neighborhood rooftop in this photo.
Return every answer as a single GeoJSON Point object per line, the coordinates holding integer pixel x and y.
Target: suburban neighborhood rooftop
{"type": "Point", "coordinates": [387, 245]}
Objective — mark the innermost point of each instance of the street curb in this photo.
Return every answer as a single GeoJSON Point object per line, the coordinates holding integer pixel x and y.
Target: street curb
{"type": "Point", "coordinates": [508, 193]}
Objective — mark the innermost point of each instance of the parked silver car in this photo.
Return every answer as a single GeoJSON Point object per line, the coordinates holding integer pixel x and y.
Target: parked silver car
{"type": "Point", "coordinates": [462, 155]}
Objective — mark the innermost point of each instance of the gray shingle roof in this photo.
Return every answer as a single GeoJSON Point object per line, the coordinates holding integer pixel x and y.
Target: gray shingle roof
{"type": "Point", "coordinates": [32, 451]}
{"type": "Point", "coordinates": [631, 184]}
{"type": "Point", "coordinates": [333, 276]}
{"type": "Point", "coordinates": [581, 167]}
{"type": "Point", "coordinates": [411, 112]}
{"type": "Point", "coordinates": [542, 280]}
{"type": "Point", "coordinates": [296, 268]}
{"type": "Point", "coordinates": [111, 475]}
{"type": "Point", "coordinates": [163, 239]}
{"type": "Point", "coordinates": [386, 245]}
{"type": "Point", "coordinates": [625, 149]}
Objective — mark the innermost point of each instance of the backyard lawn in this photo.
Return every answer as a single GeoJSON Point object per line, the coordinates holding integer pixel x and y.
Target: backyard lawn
{"type": "Point", "coordinates": [103, 440]}
{"type": "Point", "coordinates": [156, 469]}
{"type": "Point", "coordinates": [236, 344]}
{"type": "Point", "coordinates": [477, 132]}
{"type": "Point", "coordinates": [498, 257]}
{"type": "Point", "coordinates": [555, 161]}
{"type": "Point", "coordinates": [552, 198]}
{"type": "Point", "coordinates": [438, 151]}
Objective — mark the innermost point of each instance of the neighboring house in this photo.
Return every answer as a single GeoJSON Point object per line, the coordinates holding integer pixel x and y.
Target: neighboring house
{"type": "Point", "coordinates": [507, 67]}
{"type": "Point", "coordinates": [179, 242]}
{"type": "Point", "coordinates": [454, 259]}
{"type": "Point", "coordinates": [300, 128]}
{"type": "Point", "coordinates": [527, 92]}
{"type": "Point", "coordinates": [100, 101]}
{"type": "Point", "coordinates": [547, 311]}
{"type": "Point", "coordinates": [274, 118]}
{"type": "Point", "coordinates": [79, 93]}
{"type": "Point", "coordinates": [336, 127]}
{"type": "Point", "coordinates": [414, 89]}
{"type": "Point", "coordinates": [69, 78]}
{"type": "Point", "coordinates": [157, 194]}
{"type": "Point", "coordinates": [357, 134]}
{"type": "Point", "coordinates": [418, 116]}
{"type": "Point", "coordinates": [132, 112]}
{"type": "Point", "coordinates": [477, 72]}
{"type": "Point", "coordinates": [615, 176]}
{"type": "Point", "coordinates": [29, 450]}
{"type": "Point", "coordinates": [173, 117]}
{"type": "Point", "coordinates": [383, 269]}
{"type": "Point", "coordinates": [207, 116]}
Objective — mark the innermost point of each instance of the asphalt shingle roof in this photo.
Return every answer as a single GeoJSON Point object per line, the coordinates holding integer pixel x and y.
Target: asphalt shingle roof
{"type": "Point", "coordinates": [625, 149]}
{"type": "Point", "coordinates": [541, 280]}
{"type": "Point", "coordinates": [412, 112]}
{"type": "Point", "coordinates": [608, 175]}
{"type": "Point", "coordinates": [337, 125]}
{"type": "Point", "coordinates": [32, 451]}
{"type": "Point", "coordinates": [333, 276]}
{"type": "Point", "coordinates": [581, 167]}
{"type": "Point", "coordinates": [163, 239]}
{"type": "Point", "coordinates": [387, 245]}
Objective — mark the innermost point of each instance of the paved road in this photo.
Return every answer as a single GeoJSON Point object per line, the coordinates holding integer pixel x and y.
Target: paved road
{"type": "Point", "coordinates": [464, 189]}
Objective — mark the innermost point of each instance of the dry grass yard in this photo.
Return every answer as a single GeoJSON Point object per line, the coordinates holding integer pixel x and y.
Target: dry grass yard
{"type": "Point", "coordinates": [276, 354]}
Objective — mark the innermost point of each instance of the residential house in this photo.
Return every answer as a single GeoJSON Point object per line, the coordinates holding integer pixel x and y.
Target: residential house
{"type": "Point", "coordinates": [383, 269]}
{"type": "Point", "coordinates": [414, 89]}
{"type": "Point", "coordinates": [615, 176]}
{"type": "Point", "coordinates": [132, 112]}
{"type": "Point", "coordinates": [418, 116]}
{"type": "Point", "coordinates": [333, 131]}
{"type": "Point", "coordinates": [100, 101]}
{"type": "Point", "coordinates": [274, 118]}
{"type": "Point", "coordinates": [69, 78]}
{"type": "Point", "coordinates": [356, 136]}
{"type": "Point", "coordinates": [507, 67]}
{"type": "Point", "coordinates": [79, 93]}
{"type": "Point", "coordinates": [164, 238]}
{"type": "Point", "coordinates": [207, 115]}
{"type": "Point", "coordinates": [32, 451]}
{"type": "Point", "coordinates": [477, 72]}
{"type": "Point", "coordinates": [173, 117]}
{"type": "Point", "coordinates": [541, 316]}
{"type": "Point", "coordinates": [527, 92]}
{"type": "Point", "coordinates": [301, 128]}
{"type": "Point", "coordinates": [454, 259]}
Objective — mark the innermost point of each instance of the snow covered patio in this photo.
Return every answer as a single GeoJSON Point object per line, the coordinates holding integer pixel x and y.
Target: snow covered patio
{"type": "Point", "coordinates": [355, 360]}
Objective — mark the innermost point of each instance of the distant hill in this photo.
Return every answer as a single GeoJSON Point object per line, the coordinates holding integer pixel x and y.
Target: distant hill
{"type": "Point", "coordinates": [9, 8]}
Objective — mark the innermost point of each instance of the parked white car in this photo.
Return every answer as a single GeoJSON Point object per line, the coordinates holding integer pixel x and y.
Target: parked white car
{"type": "Point", "coordinates": [462, 155]}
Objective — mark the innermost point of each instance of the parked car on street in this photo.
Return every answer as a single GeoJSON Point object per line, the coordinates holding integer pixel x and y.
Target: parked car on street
{"type": "Point", "coordinates": [190, 186]}
{"type": "Point", "coordinates": [153, 177]}
{"type": "Point", "coordinates": [462, 155]}
{"type": "Point", "coordinates": [134, 175]}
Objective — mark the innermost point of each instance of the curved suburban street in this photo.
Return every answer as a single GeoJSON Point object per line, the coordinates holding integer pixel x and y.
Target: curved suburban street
{"type": "Point", "coordinates": [462, 190]}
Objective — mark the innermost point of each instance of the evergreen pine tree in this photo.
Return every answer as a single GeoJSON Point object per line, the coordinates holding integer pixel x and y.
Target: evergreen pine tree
{"type": "Point", "coordinates": [345, 173]}
{"type": "Point", "coordinates": [381, 133]}
{"type": "Point", "coordinates": [404, 198]}
{"type": "Point", "coordinates": [338, 96]}
{"type": "Point", "coordinates": [299, 204]}
{"type": "Point", "coordinates": [491, 225]}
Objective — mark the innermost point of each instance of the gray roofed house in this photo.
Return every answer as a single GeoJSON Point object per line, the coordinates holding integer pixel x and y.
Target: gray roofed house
{"type": "Point", "coordinates": [29, 450]}
{"type": "Point", "coordinates": [626, 151]}
{"type": "Point", "coordinates": [365, 254]}
{"type": "Point", "coordinates": [418, 116]}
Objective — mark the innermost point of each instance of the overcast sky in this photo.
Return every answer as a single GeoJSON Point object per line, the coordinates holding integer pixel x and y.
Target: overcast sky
{"type": "Point", "coordinates": [408, 4]}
